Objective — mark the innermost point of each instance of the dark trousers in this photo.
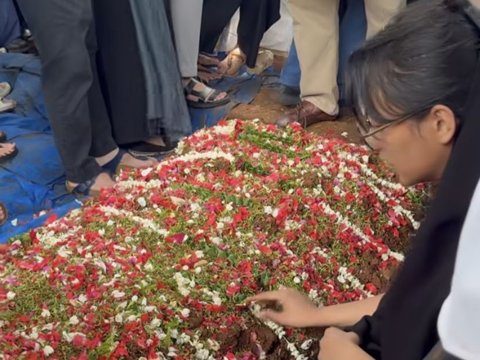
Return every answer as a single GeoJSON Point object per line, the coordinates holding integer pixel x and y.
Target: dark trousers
{"type": "Point", "coordinates": [65, 36]}
{"type": "Point", "coordinates": [256, 17]}
{"type": "Point", "coordinates": [9, 22]}
{"type": "Point", "coordinates": [121, 72]}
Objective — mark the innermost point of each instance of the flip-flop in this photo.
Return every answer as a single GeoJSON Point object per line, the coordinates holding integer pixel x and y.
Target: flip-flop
{"type": "Point", "coordinates": [8, 156]}
{"type": "Point", "coordinates": [4, 218]}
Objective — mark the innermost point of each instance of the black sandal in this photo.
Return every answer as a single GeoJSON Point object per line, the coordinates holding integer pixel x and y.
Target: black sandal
{"type": "Point", "coordinates": [145, 149]}
{"type": "Point", "coordinates": [204, 99]}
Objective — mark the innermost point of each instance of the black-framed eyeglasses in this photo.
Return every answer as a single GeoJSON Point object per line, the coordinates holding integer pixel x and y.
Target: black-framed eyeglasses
{"type": "Point", "coordinates": [368, 129]}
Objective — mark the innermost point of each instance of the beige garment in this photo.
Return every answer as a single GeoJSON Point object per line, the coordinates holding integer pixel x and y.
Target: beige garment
{"type": "Point", "coordinates": [316, 29]}
{"type": "Point", "coordinates": [186, 23]}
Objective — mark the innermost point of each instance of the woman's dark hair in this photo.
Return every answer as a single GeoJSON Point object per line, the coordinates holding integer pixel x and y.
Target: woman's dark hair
{"type": "Point", "coordinates": [425, 56]}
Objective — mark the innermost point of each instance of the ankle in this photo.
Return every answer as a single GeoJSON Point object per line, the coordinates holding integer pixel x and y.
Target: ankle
{"type": "Point", "coordinates": [157, 140]}
{"type": "Point", "coordinates": [105, 159]}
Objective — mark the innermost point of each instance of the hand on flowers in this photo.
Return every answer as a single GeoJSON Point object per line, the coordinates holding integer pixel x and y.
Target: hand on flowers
{"type": "Point", "coordinates": [294, 308]}
{"type": "Point", "coordinates": [340, 345]}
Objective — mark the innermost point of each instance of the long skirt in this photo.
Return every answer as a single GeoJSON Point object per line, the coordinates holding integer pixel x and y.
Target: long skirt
{"type": "Point", "coordinates": [139, 72]}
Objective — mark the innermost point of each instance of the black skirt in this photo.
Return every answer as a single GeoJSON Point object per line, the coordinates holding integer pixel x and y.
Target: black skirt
{"type": "Point", "coordinates": [139, 73]}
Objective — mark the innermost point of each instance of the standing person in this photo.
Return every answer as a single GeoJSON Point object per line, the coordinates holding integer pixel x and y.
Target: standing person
{"type": "Point", "coordinates": [135, 35]}
{"type": "Point", "coordinates": [256, 17]}
{"type": "Point", "coordinates": [9, 22]}
{"type": "Point", "coordinates": [316, 32]}
{"type": "Point", "coordinates": [416, 89]}
{"type": "Point", "coordinates": [186, 24]}
{"type": "Point", "coordinates": [65, 35]}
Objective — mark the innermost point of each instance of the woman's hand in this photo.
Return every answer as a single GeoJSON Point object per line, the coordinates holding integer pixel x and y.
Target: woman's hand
{"type": "Point", "coordinates": [340, 345]}
{"type": "Point", "coordinates": [293, 308]}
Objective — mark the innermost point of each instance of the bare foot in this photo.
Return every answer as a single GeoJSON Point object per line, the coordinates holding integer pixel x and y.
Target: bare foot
{"type": "Point", "coordinates": [207, 76]}
{"type": "Point", "coordinates": [136, 163]}
{"type": "Point", "coordinates": [7, 149]}
{"type": "Point", "coordinates": [207, 60]}
{"type": "Point", "coordinates": [3, 214]}
{"type": "Point", "coordinates": [103, 181]}
{"type": "Point", "coordinates": [231, 65]}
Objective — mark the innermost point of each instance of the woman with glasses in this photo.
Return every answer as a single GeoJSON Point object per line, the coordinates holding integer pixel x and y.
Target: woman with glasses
{"type": "Point", "coordinates": [416, 90]}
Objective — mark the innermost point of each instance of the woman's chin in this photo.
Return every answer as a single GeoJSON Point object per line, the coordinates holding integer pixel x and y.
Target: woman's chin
{"type": "Point", "coordinates": [404, 180]}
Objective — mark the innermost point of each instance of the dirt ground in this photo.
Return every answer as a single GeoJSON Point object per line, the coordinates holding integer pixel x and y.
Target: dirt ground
{"type": "Point", "coordinates": [265, 107]}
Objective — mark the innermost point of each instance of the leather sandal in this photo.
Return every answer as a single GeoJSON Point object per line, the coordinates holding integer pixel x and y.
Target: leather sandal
{"type": "Point", "coordinates": [203, 99]}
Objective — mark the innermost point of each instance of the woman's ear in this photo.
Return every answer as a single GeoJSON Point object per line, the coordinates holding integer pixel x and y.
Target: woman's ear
{"type": "Point", "coordinates": [443, 124]}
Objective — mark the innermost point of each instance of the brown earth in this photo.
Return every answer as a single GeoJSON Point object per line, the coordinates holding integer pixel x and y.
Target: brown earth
{"type": "Point", "coordinates": [264, 107]}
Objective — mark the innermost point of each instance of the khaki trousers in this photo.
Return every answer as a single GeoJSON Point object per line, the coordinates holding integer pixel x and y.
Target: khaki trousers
{"type": "Point", "coordinates": [316, 29]}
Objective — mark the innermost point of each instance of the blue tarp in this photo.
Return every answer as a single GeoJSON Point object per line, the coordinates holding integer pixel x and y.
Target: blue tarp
{"type": "Point", "coordinates": [34, 180]}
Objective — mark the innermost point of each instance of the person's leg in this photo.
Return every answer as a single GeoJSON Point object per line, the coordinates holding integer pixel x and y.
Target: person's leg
{"type": "Point", "coordinates": [316, 38]}
{"type": "Point", "coordinates": [215, 17]}
{"type": "Point", "coordinates": [379, 13]}
{"type": "Point", "coordinates": [287, 91]}
{"type": "Point", "coordinates": [60, 29]}
{"type": "Point", "coordinates": [256, 17]}
{"type": "Point", "coordinates": [186, 23]}
{"type": "Point", "coordinates": [121, 72]}
{"type": "Point", "coordinates": [9, 22]}
{"type": "Point", "coordinates": [353, 28]}
{"type": "Point", "coordinates": [102, 140]}
{"type": "Point", "coordinates": [291, 74]}
{"type": "Point", "coordinates": [23, 23]}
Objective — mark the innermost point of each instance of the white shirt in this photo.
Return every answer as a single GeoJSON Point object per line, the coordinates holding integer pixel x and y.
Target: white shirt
{"type": "Point", "coordinates": [459, 319]}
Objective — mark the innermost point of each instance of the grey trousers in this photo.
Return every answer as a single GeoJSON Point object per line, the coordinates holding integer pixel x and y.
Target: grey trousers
{"type": "Point", "coordinates": [65, 36]}
{"type": "Point", "coordinates": [186, 23]}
